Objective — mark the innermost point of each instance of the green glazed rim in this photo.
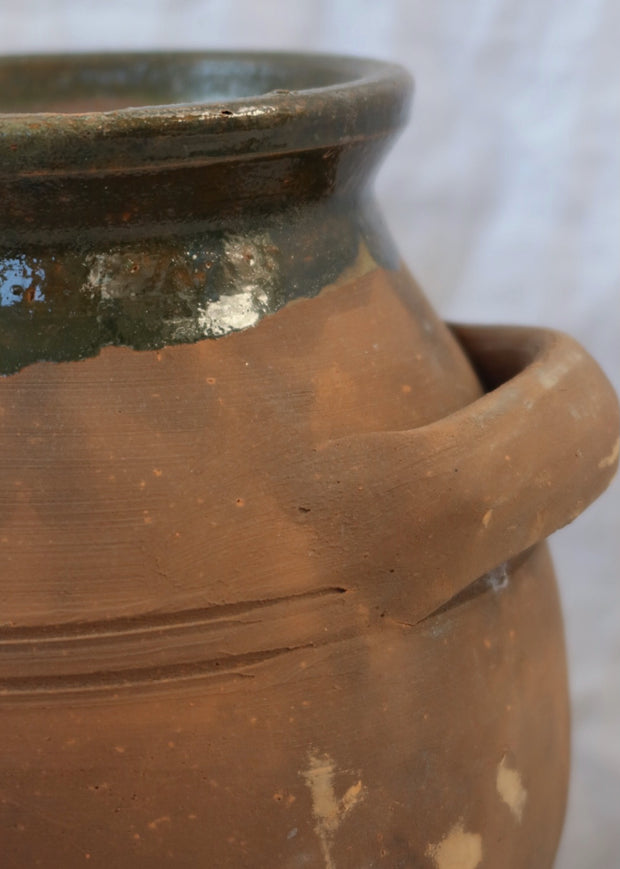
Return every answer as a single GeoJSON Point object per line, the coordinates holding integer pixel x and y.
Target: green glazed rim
{"type": "Point", "coordinates": [163, 108]}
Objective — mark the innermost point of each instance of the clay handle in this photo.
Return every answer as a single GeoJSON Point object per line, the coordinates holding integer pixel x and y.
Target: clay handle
{"type": "Point", "coordinates": [443, 504]}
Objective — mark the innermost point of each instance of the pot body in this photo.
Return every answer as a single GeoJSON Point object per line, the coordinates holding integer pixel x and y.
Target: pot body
{"type": "Point", "coordinates": [231, 632]}
{"type": "Point", "coordinates": [191, 676]}
{"type": "Point", "coordinates": [444, 743]}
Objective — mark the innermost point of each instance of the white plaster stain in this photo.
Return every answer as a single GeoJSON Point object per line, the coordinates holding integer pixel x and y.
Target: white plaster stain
{"type": "Point", "coordinates": [551, 374]}
{"type": "Point", "coordinates": [250, 267]}
{"type": "Point", "coordinates": [610, 460]}
{"type": "Point", "coordinates": [328, 810]}
{"type": "Point", "coordinates": [457, 850]}
{"type": "Point", "coordinates": [234, 312]}
{"type": "Point", "coordinates": [498, 578]}
{"type": "Point", "coordinates": [107, 275]}
{"type": "Point", "coordinates": [510, 788]}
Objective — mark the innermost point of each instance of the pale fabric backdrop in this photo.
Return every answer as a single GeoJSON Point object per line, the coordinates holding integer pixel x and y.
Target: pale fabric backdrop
{"type": "Point", "coordinates": [504, 196]}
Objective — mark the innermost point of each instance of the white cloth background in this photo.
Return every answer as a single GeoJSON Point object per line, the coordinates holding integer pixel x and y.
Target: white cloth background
{"type": "Point", "coordinates": [504, 196]}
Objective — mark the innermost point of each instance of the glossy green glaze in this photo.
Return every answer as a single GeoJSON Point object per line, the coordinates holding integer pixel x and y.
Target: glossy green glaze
{"type": "Point", "coordinates": [236, 185]}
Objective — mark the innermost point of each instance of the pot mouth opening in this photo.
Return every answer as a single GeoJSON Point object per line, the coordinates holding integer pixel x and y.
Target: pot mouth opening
{"type": "Point", "coordinates": [52, 106]}
{"type": "Point", "coordinates": [86, 84]}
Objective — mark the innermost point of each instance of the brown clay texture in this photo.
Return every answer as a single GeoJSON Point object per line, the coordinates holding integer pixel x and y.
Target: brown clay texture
{"type": "Point", "coordinates": [273, 577]}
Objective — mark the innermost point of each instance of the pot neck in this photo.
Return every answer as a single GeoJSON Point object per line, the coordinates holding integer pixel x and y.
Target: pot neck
{"type": "Point", "coordinates": [246, 134]}
{"type": "Point", "coordinates": [99, 208]}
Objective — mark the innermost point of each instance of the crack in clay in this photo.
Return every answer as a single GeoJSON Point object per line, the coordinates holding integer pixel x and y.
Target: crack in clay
{"type": "Point", "coordinates": [494, 580]}
{"type": "Point", "coordinates": [329, 811]}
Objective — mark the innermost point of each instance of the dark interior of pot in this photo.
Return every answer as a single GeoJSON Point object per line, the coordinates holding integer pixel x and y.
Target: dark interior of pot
{"type": "Point", "coordinates": [96, 83]}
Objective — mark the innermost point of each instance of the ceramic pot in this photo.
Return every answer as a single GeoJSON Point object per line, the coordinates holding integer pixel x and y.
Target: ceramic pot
{"type": "Point", "coordinates": [274, 591]}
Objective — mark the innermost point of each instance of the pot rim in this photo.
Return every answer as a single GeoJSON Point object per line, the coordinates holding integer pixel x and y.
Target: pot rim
{"type": "Point", "coordinates": [333, 100]}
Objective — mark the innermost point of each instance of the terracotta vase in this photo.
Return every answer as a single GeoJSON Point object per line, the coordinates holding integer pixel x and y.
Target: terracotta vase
{"type": "Point", "coordinates": [273, 585]}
